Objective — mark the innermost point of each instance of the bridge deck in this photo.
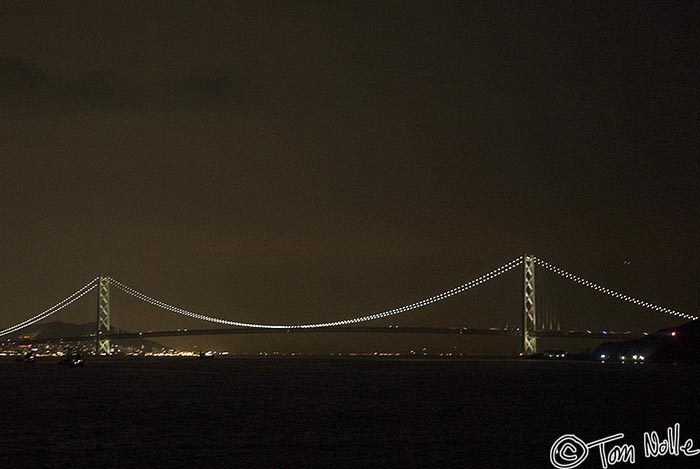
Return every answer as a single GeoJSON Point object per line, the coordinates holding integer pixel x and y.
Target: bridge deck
{"type": "Point", "coordinates": [464, 331]}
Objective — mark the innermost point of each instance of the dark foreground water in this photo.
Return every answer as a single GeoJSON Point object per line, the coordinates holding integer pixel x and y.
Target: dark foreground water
{"type": "Point", "coordinates": [334, 412]}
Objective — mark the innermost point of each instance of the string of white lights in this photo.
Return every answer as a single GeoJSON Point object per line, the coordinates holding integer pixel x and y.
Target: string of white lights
{"type": "Point", "coordinates": [614, 294]}
{"type": "Point", "coordinates": [52, 310]}
{"type": "Point", "coordinates": [433, 299]}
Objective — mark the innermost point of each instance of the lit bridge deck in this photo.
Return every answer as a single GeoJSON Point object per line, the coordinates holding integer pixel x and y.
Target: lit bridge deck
{"type": "Point", "coordinates": [463, 331]}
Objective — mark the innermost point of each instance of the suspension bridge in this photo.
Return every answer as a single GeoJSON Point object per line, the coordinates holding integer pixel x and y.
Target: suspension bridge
{"type": "Point", "coordinates": [528, 330]}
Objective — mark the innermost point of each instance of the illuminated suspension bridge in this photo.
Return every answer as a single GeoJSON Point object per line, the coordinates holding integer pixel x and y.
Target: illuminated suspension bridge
{"type": "Point", "coordinates": [527, 331]}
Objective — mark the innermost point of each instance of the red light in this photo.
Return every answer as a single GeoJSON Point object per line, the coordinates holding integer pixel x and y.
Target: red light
{"type": "Point", "coordinates": [673, 334]}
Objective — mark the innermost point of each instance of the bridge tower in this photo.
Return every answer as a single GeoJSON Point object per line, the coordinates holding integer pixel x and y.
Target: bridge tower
{"type": "Point", "coordinates": [529, 312]}
{"type": "Point", "coordinates": [102, 345]}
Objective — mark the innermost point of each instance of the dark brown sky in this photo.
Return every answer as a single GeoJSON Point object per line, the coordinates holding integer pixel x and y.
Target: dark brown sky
{"type": "Point", "coordinates": [294, 161]}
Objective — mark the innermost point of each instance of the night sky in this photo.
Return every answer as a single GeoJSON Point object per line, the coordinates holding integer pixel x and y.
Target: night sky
{"type": "Point", "coordinates": [284, 162]}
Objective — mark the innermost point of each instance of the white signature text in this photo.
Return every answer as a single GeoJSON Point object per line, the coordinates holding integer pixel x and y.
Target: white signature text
{"type": "Point", "coordinates": [569, 451]}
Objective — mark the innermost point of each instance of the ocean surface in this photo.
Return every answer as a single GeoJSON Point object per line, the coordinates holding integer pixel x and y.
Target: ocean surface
{"type": "Point", "coordinates": [354, 412]}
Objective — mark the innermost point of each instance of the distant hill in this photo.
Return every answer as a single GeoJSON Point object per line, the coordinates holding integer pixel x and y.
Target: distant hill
{"type": "Point", "coordinates": [671, 345]}
{"type": "Point", "coordinates": [58, 329]}
{"type": "Point", "coordinates": [63, 329]}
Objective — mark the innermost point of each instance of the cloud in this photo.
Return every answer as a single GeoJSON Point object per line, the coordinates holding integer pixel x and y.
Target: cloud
{"type": "Point", "coordinates": [95, 87]}
{"type": "Point", "coordinates": [213, 84]}
{"type": "Point", "coordinates": [235, 84]}
{"type": "Point", "coordinates": [24, 85]}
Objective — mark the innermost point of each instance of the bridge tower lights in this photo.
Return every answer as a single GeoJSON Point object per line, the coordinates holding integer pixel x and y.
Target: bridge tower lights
{"type": "Point", "coordinates": [529, 312]}
{"type": "Point", "coordinates": [102, 346]}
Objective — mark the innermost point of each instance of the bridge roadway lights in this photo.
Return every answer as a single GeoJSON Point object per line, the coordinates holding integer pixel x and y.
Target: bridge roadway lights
{"type": "Point", "coordinates": [102, 346]}
{"type": "Point", "coordinates": [529, 313]}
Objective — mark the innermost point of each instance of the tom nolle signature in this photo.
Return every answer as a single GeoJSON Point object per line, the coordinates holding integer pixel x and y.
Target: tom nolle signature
{"type": "Point", "coordinates": [570, 451]}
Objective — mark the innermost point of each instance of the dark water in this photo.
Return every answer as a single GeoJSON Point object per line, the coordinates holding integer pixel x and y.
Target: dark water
{"type": "Point", "coordinates": [340, 412]}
